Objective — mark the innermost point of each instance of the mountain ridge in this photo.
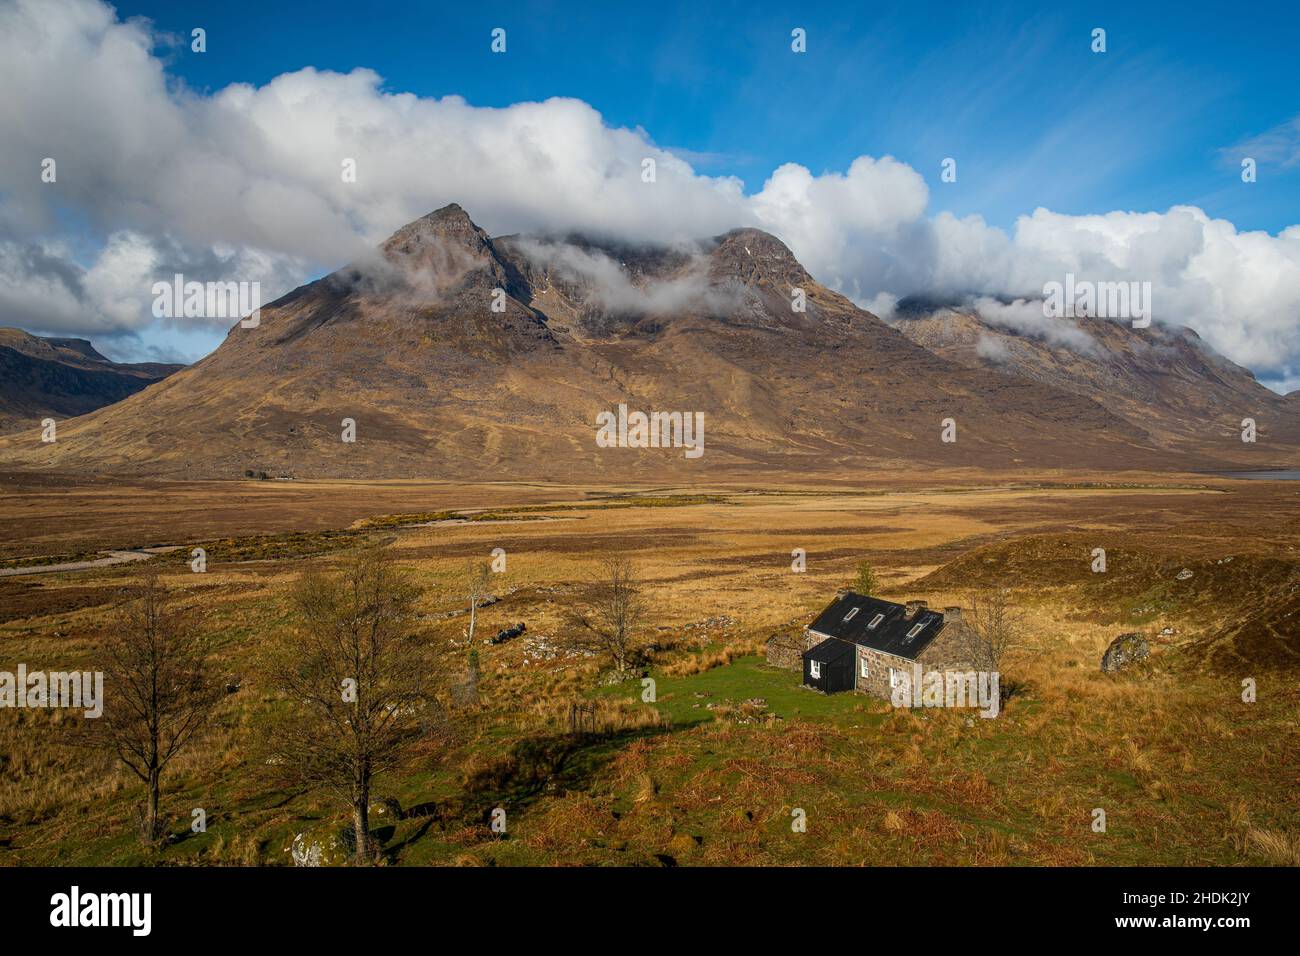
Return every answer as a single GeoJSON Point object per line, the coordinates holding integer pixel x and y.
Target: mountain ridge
{"type": "Point", "coordinates": [1165, 375]}
{"type": "Point", "coordinates": [45, 376]}
{"type": "Point", "coordinates": [458, 355]}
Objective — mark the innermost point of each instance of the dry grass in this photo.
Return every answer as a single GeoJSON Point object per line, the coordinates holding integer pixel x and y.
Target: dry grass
{"type": "Point", "coordinates": [1186, 771]}
{"type": "Point", "coordinates": [1274, 847]}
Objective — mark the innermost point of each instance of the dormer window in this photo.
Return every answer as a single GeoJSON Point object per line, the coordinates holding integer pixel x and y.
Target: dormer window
{"type": "Point", "coordinates": [875, 622]}
{"type": "Point", "coordinates": [848, 617]}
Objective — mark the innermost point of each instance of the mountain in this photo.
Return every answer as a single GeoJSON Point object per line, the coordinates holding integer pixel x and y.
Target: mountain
{"type": "Point", "coordinates": [462, 356]}
{"type": "Point", "coordinates": [61, 378]}
{"type": "Point", "coordinates": [1164, 379]}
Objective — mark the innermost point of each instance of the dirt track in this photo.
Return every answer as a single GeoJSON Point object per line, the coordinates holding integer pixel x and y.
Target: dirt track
{"type": "Point", "coordinates": [113, 557]}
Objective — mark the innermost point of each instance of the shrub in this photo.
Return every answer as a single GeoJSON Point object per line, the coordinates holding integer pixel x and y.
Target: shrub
{"type": "Point", "coordinates": [867, 582]}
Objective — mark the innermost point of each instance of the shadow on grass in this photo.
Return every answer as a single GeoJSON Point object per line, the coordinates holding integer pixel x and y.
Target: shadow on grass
{"type": "Point", "coordinates": [533, 767]}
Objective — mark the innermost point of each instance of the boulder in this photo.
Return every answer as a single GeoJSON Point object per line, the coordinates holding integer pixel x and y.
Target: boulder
{"type": "Point", "coordinates": [316, 849]}
{"type": "Point", "coordinates": [1124, 651]}
{"type": "Point", "coordinates": [508, 633]}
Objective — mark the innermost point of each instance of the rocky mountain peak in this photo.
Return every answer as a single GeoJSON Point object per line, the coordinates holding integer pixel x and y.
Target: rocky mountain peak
{"type": "Point", "coordinates": [756, 257]}
{"type": "Point", "coordinates": [445, 251]}
{"type": "Point", "coordinates": [441, 231]}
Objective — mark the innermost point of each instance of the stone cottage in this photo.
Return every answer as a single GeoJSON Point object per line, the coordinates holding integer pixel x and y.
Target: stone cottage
{"type": "Point", "coordinates": [867, 644]}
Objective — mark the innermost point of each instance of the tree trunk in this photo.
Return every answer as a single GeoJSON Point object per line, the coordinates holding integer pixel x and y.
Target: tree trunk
{"type": "Point", "coordinates": [361, 823]}
{"type": "Point", "coordinates": [151, 810]}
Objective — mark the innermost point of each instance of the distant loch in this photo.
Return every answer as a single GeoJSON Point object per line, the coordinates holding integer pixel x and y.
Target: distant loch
{"type": "Point", "coordinates": [1282, 475]}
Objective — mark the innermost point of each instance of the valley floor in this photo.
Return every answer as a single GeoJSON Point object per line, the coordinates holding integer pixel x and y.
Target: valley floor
{"type": "Point", "coordinates": [715, 769]}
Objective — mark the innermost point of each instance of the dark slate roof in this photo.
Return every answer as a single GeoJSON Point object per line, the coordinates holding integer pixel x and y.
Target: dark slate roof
{"type": "Point", "coordinates": [841, 621]}
{"type": "Point", "coordinates": [828, 651]}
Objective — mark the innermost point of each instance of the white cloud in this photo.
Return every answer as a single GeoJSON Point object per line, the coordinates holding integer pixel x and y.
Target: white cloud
{"type": "Point", "coordinates": [615, 292]}
{"type": "Point", "coordinates": [1028, 318]}
{"type": "Point", "coordinates": [995, 350]}
{"type": "Point", "coordinates": [246, 182]}
{"type": "Point", "coordinates": [883, 305]}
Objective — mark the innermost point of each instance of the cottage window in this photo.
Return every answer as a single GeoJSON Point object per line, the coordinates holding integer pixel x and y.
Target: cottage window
{"type": "Point", "coordinates": [916, 629]}
{"type": "Point", "coordinates": [893, 677]}
{"type": "Point", "coordinates": [848, 617]}
{"type": "Point", "coordinates": [815, 669]}
{"type": "Point", "coordinates": [875, 621]}
{"type": "Point", "coordinates": [864, 668]}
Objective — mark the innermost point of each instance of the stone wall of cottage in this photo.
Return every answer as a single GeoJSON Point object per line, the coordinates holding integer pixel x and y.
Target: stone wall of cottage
{"type": "Point", "coordinates": [876, 683]}
{"type": "Point", "coordinates": [944, 653]}
{"type": "Point", "coordinates": [786, 650]}
{"type": "Point", "coordinates": [947, 651]}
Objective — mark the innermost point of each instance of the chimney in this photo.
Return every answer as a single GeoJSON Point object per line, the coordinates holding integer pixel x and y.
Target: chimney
{"type": "Point", "coordinates": [952, 615]}
{"type": "Point", "coordinates": [913, 607]}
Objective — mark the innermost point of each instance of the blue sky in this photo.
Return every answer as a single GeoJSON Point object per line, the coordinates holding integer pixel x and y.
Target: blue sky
{"type": "Point", "coordinates": [1012, 91]}
{"type": "Point", "coordinates": [225, 164]}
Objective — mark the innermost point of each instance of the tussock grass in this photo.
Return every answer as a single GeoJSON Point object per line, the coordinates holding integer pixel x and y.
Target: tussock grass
{"type": "Point", "coordinates": [1187, 773]}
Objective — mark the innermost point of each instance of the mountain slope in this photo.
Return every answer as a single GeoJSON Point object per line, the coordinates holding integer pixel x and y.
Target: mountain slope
{"type": "Point", "coordinates": [462, 356]}
{"type": "Point", "coordinates": [1164, 379]}
{"type": "Point", "coordinates": [60, 378]}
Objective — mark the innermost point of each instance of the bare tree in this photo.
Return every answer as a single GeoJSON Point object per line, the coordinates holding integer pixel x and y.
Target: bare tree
{"type": "Point", "coordinates": [362, 685]}
{"type": "Point", "coordinates": [157, 694]}
{"type": "Point", "coordinates": [613, 610]}
{"type": "Point", "coordinates": [993, 627]}
{"type": "Point", "coordinates": [477, 575]}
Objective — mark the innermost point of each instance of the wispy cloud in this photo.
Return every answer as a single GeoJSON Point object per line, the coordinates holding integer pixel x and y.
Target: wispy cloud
{"type": "Point", "coordinates": [1279, 146]}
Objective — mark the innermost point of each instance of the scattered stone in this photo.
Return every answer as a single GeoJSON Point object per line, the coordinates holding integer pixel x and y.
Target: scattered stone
{"type": "Point", "coordinates": [721, 620]}
{"type": "Point", "coordinates": [1183, 575]}
{"type": "Point", "coordinates": [486, 601]}
{"type": "Point", "coordinates": [1124, 651]}
{"type": "Point", "coordinates": [542, 647]}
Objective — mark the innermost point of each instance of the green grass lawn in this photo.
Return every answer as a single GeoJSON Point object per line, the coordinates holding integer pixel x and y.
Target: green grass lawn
{"type": "Point", "coordinates": [685, 700]}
